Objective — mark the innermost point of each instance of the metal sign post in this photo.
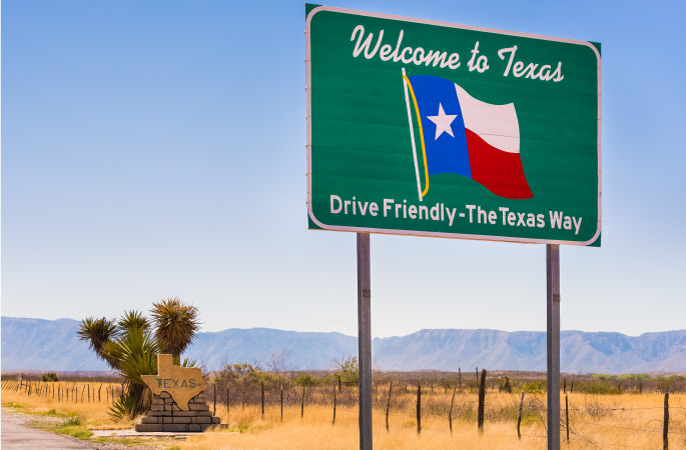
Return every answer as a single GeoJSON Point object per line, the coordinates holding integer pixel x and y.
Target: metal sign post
{"type": "Point", "coordinates": [364, 340]}
{"type": "Point", "coordinates": [553, 344]}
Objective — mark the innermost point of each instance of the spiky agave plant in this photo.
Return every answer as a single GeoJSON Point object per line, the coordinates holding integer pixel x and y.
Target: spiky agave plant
{"type": "Point", "coordinates": [176, 324]}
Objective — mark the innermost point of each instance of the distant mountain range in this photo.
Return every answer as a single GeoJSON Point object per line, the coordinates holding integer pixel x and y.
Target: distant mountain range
{"type": "Point", "coordinates": [36, 344]}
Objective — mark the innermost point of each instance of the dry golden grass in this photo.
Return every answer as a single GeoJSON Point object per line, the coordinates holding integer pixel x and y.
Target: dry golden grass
{"type": "Point", "coordinates": [596, 422]}
{"type": "Point", "coordinates": [94, 412]}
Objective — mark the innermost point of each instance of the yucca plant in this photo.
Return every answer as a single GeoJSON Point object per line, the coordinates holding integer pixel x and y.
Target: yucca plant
{"type": "Point", "coordinates": [124, 407]}
{"type": "Point", "coordinates": [135, 353]}
{"type": "Point", "coordinates": [133, 319]}
{"type": "Point", "coordinates": [176, 324]}
{"type": "Point", "coordinates": [97, 332]}
{"type": "Point", "coordinates": [130, 346]}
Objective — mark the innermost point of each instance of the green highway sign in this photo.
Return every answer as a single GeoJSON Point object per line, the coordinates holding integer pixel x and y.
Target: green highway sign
{"type": "Point", "coordinates": [426, 128]}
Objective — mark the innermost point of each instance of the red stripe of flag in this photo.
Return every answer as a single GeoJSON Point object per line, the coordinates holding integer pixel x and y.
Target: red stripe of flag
{"type": "Point", "coordinates": [498, 171]}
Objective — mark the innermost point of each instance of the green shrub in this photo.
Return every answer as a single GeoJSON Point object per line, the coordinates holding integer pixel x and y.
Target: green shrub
{"type": "Point", "coordinates": [306, 380]}
{"type": "Point", "coordinates": [596, 387]}
{"type": "Point", "coordinates": [75, 420]}
{"type": "Point", "coordinates": [50, 376]}
{"type": "Point", "coordinates": [349, 371]}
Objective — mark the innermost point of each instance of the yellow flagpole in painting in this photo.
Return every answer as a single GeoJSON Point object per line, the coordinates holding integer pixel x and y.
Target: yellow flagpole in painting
{"type": "Point", "coordinates": [407, 84]}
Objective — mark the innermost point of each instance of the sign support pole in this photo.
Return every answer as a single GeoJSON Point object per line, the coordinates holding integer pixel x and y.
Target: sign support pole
{"type": "Point", "coordinates": [553, 344]}
{"type": "Point", "coordinates": [364, 340]}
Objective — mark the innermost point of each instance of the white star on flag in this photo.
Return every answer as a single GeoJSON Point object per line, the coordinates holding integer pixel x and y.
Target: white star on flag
{"type": "Point", "coordinates": [442, 121]}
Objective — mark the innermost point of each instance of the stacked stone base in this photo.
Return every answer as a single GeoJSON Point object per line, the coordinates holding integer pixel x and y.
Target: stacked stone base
{"type": "Point", "coordinates": [164, 415]}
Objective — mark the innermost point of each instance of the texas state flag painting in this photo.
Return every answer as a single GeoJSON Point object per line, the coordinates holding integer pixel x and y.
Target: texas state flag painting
{"type": "Point", "coordinates": [462, 135]}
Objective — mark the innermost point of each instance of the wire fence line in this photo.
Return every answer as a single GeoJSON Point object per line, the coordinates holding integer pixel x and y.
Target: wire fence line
{"type": "Point", "coordinates": [397, 406]}
{"type": "Point", "coordinates": [63, 392]}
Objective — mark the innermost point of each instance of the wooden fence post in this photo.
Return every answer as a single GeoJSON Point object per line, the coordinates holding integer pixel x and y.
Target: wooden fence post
{"type": "Point", "coordinates": [567, 416]}
{"type": "Point", "coordinates": [519, 418]}
{"type": "Point", "coordinates": [459, 378]}
{"type": "Point", "coordinates": [334, 404]}
{"type": "Point", "coordinates": [419, 408]}
{"type": "Point", "coordinates": [665, 429]}
{"type": "Point", "coordinates": [282, 403]}
{"type": "Point", "coordinates": [388, 403]}
{"type": "Point", "coordinates": [450, 413]}
{"type": "Point", "coordinates": [99, 392]}
{"type": "Point", "coordinates": [482, 398]}
{"type": "Point", "coordinates": [302, 404]}
{"type": "Point", "coordinates": [262, 399]}
{"type": "Point", "coordinates": [227, 398]}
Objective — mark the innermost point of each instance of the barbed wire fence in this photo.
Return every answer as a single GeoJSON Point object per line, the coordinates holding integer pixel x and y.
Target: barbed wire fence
{"type": "Point", "coordinates": [397, 403]}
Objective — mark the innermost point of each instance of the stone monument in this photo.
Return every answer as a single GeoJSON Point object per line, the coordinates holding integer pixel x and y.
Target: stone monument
{"type": "Point", "coordinates": [178, 402]}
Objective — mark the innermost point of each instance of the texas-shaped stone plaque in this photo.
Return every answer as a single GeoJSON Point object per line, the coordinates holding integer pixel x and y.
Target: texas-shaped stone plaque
{"type": "Point", "coordinates": [182, 383]}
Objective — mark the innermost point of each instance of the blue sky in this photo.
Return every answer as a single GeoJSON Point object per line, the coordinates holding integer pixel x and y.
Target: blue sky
{"type": "Point", "coordinates": [156, 149]}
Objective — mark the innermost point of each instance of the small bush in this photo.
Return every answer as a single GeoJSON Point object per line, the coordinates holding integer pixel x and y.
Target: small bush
{"type": "Point", "coordinates": [595, 407]}
{"type": "Point", "coordinates": [349, 371]}
{"type": "Point", "coordinates": [306, 380]}
{"type": "Point", "coordinates": [50, 376]}
{"type": "Point", "coordinates": [75, 420]}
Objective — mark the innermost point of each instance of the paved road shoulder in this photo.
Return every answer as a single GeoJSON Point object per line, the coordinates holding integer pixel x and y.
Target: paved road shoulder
{"type": "Point", "coordinates": [17, 435]}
